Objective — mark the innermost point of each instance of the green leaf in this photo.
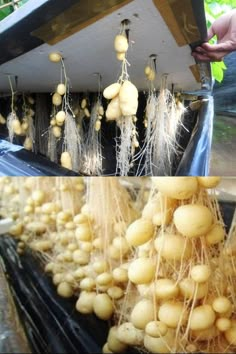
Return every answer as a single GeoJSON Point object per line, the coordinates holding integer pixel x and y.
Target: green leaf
{"type": "Point", "coordinates": [218, 71]}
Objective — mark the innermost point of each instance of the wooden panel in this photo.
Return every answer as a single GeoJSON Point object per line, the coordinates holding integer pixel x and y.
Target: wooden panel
{"type": "Point", "coordinates": [76, 18]}
{"type": "Point", "coordinates": [180, 19]}
{"type": "Point", "coordinates": [196, 72]}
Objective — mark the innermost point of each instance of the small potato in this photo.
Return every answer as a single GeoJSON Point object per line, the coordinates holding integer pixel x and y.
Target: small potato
{"type": "Point", "coordinates": [66, 160]}
{"type": "Point", "coordinates": [230, 334]}
{"type": "Point", "coordinates": [106, 349]}
{"type": "Point", "coordinates": [159, 345]}
{"type": "Point", "coordinates": [223, 324]}
{"type": "Point", "coordinates": [156, 329]}
{"type": "Point", "coordinates": [189, 289]}
{"type": "Point", "coordinates": [176, 187]}
{"type": "Point", "coordinates": [148, 70]}
{"type": "Point", "coordinates": [172, 314]}
{"type": "Point", "coordinates": [16, 230]}
{"type": "Point", "coordinates": [209, 182]}
{"type": "Point", "coordinates": [112, 91]}
{"type": "Point", "coordinates": [84, 304]}
{"type": "Point", "coordinates": [65, 290]}
{"type": "Point", "coordinates": [60, 117]}
{"type": "Point", "coordinates": [139, 232]}
{"type": "Point", "coordinates": [173, 247]}
{"type": "Point", "coordinates": [142, 314]}
{"type": "Point", "coordinates": [115, 292]}
{"type": "Point", "coordinates": [193, 220]}
{"type": "Point", "coordinates": [49, 208]}
{"type": "Point", "coordinates": [61, 89]}
{"type": "Point", "coordinates": [81, 257]}
{"type": "Point", "coordinates": [56, 99]}
{"type": "Point", "coordinates": [87, 284]}
{"type": "Point", "coordinates": [130, 335]}
{"type": "Point", "coordinates": [36, 227]}
{"type": "Point", "coordinates": [141, 271]}
{"type": "Point", "coordinates": [98, 125]}
{"type": "Point", "coordinates": [56, 132]}
{"type": "Point", "coordinates": [221, 305]}
{"type": "Point", "coordinates": [28, 144]}
{"type": "Point", "coordinates": [55, 57]}
{"type": "Point", "coordinates": [121, 43]}
{"type": "Point", "coordinates": [159, 204]}
{"type": "Point", "coordinates": [205, 334]}
{"type": "Point", "coordinates": [42, 246]}
{"type": "Point", "coordinates": [103, 307]}
{"type": "Point", "coordinates": [121, 243]}
{"type": "Point", "coordinates": [38, 197]}
{"type": "Point", "coordinates": [80, 219]}
{"type": "Point", "coordinates": [114, 343]}
{"type": "Point", "coordinates": [215, 235]}
{"type": "Point", "coordinates": [166, 289]}
{"type": "Point", "coordinates": [121, 56]}
{"type": "Point", "coordinates": [83, 233]}
{"type": "Point", "coordinates": [203, 317]}
{"type": "Point", "coordinates": [104, 279]}
{"type": "Point", "coordinates": [200, 273]}
{"type": "Point", "coordinates": [120, 275]}
{"type": "Point", "coordinates": [100, 266]}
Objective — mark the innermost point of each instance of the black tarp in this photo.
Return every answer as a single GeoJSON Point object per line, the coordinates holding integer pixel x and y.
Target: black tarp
{"type": "Point", "coordinates": [16, 161]}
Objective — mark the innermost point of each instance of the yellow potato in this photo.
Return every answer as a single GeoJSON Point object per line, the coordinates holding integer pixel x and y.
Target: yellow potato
{"type": "Point", "coordinates": [141, 271]}
{"type": "Point", "coordinates": [139, 232]}
{"type": "Point", "coordinates": [173, 247]}
{"type": "Point", "coordinates": [176, 187]}
{"type": "Point", "coordinates": [142, 313]}
{"type": "Point", "coordinates": [209, 182]}
{"type": "Point", "coordinates": [193, 220]}
{"type": "Point", "coordinates": [203, 317]}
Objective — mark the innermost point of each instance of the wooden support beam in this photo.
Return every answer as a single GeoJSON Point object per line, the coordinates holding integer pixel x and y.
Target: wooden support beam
{"type": "Point", "coordinates": [76, 18]}
{"type": "Point", "coordinates": [180, 19]}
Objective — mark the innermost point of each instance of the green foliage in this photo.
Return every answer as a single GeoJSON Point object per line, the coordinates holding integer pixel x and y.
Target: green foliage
{"type": "Point", "coordinates": [9, 9]}
{"type": "Point", "coordinates": [218, 70]}
{"type": "Point", "coordinates": [215, 9]}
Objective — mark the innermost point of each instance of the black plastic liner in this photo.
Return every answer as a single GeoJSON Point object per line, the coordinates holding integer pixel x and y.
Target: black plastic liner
{"type": "Point", "coordinates": [51, 323]}
{"type": "Point", "coordinates": [16, 161]}
{"type": "Point", "coordinates": [196, 159]}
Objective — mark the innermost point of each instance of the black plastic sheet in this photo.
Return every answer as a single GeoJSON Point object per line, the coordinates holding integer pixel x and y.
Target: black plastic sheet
{"type": "Point", "coordinates": [196, 159]}
{"type": "Point", "coordinates": [51, 323]}
{"type": "Point", "coordinates": [16, 161]}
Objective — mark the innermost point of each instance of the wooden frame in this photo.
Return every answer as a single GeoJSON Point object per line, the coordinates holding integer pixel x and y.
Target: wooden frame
{"type": "Point", "coordinates": [180, 19]}
{"type": "Point", "coordinates": [75, 19]}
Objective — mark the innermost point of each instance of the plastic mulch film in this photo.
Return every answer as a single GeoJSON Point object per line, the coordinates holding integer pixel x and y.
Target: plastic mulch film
{"type": "Point", "coordinates": [12, 335]}
{"type": "Point", "coordinates": [16, 161]}
{"type": "Point", "coordinates": [196, 159]}
{"type": "Point", "coordinates": [51, 323]}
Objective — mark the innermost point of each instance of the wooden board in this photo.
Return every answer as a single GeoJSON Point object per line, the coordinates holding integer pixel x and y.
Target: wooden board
{"type": "Point", "coordinates": [76, 18]}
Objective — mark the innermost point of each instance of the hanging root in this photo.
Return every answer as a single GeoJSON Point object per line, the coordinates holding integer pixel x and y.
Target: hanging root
{"type": "Point", "coordinates": [52, 146]}
{"type": "Point", "coordinates": [125, 148]}
{"type": "Point", "coordinates": [72, 142]}
{"type": "Point", "coordinates": [163, 119]}
{"type": "Point", "coordinates": [93, 148]}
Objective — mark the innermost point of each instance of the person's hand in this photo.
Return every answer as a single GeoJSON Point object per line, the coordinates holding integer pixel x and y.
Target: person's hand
{"type": "Point", "coordinates": [225, 30]}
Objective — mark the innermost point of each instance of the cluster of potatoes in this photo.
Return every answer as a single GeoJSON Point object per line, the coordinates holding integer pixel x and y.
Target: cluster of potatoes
{"type": "Point", "coordinates": [24, 126]}
{"type": "Point", "coordinates": [164, 278]}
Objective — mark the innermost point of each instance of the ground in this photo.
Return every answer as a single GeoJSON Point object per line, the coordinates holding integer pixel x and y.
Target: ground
{"type": "Point", "coordinates": [223, 161]}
